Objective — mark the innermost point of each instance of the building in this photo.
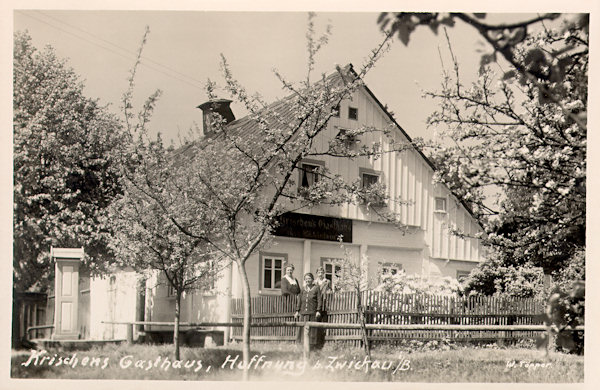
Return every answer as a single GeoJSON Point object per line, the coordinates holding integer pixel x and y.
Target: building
{"type": "Point", "coordinates": [309, 239]}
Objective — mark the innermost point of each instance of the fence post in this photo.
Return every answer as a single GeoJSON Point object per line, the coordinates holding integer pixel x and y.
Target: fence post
{"type": "Point", "coordinates": [306, 341]}
{"type": "Point", "coordinates": [130, 334]}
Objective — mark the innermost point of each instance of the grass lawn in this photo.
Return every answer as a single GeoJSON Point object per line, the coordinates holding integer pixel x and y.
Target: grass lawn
{"type": "Point", "coordinates": [284, 362]}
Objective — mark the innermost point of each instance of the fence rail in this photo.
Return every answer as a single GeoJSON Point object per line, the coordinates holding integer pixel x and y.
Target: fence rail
{"type": "Point", "coordinates": [402, 309]}
{"type": "Point", "coordinates": [306, 325]}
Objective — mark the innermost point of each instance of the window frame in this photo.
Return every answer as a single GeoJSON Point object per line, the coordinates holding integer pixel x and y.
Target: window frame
{"type": "Point", "coordinates": [350, 141]}
{"type": "Point", "coordinates": [301, 171]}
{"type": "Point", "coordinates": [337, 108]}
{"type": "Point", "coordinates": [436, 209]}
{"type": "Point", "coordinates": [461, 274]}
{"type": "Point", "coordinates": [371, 172]}
{"type": "Point", "coordinates": [170, 290]}
{"type": "Point", "coordinates": [334, 265]}
{"type": "Point", "coordinates": [261, 272]}
{"type": "Point", "coordinates": [350, 110]}
{"type": "Point", "coordinates": [391, 266]}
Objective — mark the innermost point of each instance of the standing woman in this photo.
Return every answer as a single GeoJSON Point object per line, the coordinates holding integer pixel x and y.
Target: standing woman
{"type": "Point", "coordinates": [325, 287]}
{"type": "Point", "coordinates": [310, 304]}
{"type": "Point", "coordinates": [289, 284]}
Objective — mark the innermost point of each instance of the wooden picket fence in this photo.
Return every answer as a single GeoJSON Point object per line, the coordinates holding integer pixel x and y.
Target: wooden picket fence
{"type": "Point", "coordinates": [385, 308]}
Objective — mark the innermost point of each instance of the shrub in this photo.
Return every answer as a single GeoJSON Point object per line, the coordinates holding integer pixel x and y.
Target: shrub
{"type": "Point", "coordinates": [411, 284]}
{"type": "Point", "coordinates": [565, 311]}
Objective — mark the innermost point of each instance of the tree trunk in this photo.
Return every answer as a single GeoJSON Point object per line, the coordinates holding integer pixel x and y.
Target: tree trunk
{"type": "Point", "coordinates": [176, 327]}
{"type": "Point", "coordinates": [247, 319]}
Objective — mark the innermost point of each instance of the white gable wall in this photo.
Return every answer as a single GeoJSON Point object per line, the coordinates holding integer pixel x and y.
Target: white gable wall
{"type": "Point", "coordinates": [408, 177]}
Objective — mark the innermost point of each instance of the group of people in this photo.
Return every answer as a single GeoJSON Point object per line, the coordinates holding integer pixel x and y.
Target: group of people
{"type": "Point", "coordinates": [309, 299]}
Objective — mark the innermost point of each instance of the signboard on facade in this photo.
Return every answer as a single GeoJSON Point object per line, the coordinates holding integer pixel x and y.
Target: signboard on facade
{"type": "Point", "coordinates": [314, 227]}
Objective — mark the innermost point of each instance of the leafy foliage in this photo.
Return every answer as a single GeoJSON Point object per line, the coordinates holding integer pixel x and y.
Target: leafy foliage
{"type": "Point", "coordinates": [495, 278]}
{"type": "Point", "coordinates": [65, 171]}
{"type": "Point", "coordinates": [566, 311]}
{"type": "Point", "coordinates": [221, 196]}
{"type": "Point", "coordinates": [521, 136]}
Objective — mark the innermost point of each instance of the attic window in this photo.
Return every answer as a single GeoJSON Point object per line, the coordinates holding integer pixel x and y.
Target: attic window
{"type": "Point", "coordinates": [336, 111]}
{"type": "Point", "coordinates": [353, 113]}
{"type": "Point", "coordinates": [440, 205]}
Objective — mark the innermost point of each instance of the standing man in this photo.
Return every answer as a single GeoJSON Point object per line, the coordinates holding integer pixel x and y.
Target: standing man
{"type": "Point", "coordinates": [310, 305]}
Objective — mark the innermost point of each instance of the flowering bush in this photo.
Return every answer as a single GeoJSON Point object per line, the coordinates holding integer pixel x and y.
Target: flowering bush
{"type": "Point", "coordinates": [409, 284]}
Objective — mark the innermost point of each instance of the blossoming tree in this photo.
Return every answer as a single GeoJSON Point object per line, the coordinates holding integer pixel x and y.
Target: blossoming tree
{"type": "Point", "coordinates": [65, 165]}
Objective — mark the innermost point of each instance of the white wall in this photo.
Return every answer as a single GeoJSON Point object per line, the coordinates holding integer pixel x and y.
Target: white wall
{"type": "Point", "coordinates": [114, 301]}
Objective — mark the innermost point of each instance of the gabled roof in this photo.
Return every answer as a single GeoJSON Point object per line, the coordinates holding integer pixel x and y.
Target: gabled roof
{"type": "Point", "coordinates": [248, 127]}
{"type": "Point", "coordinates": [391, 118]}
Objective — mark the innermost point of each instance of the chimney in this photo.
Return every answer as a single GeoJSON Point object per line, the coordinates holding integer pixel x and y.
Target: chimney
{"type": "Point", "coordinates": [212, 107]}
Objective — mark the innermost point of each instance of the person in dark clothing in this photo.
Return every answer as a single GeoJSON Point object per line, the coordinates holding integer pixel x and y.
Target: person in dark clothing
{"type": "Point", "coordinates": [325, 286]}
{"type": "Point", "coordinates": [309, 305]}
{"type": "Point", "coordinates": [289, 284]}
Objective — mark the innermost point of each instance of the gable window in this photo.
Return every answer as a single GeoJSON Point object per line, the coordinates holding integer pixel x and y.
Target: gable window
{"type": "Point", "coordinates": [336, 111]}
{"type": "Point", "coordinates": [369, 178]}
{"type": "Point", "coordinates": [348, 139]}
{"type": "Point", "coordinates": [353, 113]}
{"type": "Point", "coordinates": [332, 271]}
{"type": "Point", "coordinates": [440, 205]}
{"type": "Point", "coordinates": [309, 173]}
{"type": "Point", "coordinates": [271, 271]}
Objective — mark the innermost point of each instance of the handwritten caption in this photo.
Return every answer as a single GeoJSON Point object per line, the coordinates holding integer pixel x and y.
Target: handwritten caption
{"type": "Point", "coordinates": [526, 364]}
{"type": "Point", "coordinates": [231, 362]}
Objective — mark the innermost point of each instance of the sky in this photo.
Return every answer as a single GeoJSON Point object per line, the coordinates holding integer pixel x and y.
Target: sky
{"type": "Point", "coordinates": [183, 50]}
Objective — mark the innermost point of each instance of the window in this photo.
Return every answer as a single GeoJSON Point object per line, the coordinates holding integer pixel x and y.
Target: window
{"type": "Point", "coordinates": [390, 269]}
{"type": "Point", "coordinates": [353, 113]}
{"type": "Point", "coordinates": [272, 268]}
{"type": "Point", "coordinates": [309, 173]}
{"type": "Point", "coordinates": [440, 205]}
{"type": "Point", "coordinates": [170, 290]}
{"type": "Point", "coordinates": [349, 139]}
{"type": "Point", "coordinates": [332, 271]}
{"type": "Point", "coordinates": [462, 275]}
{"type": "Point", "coordinates": [369, 178]}
{"type": "Point", "coordinates": [210, 275]}
{"type": "Point", "coordinates": [336, 111]}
